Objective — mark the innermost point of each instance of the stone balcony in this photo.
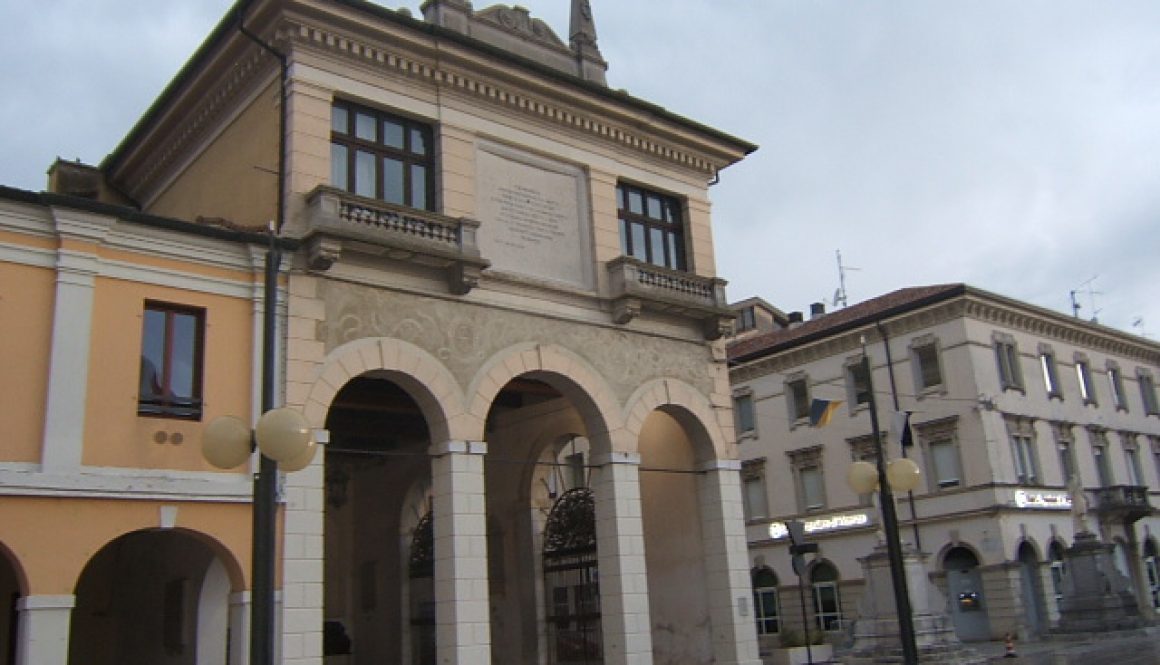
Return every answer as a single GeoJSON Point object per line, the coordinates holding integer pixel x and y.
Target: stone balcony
{"type": "Point", "coordinates": [1123, 503]}
{"type": "Point", "coordinates": [636, 285]}
{"type": "Point", "coordinates": [338, 223]}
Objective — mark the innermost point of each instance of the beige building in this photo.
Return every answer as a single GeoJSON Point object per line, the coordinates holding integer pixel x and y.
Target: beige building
{"type": "Point", "coordinates": [503, 308]}
{"type": "Point", "coordinates": [1007, 401]}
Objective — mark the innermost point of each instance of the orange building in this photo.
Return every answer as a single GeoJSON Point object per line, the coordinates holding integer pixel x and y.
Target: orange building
{"type": "Point", "coordinates": [124, 334]}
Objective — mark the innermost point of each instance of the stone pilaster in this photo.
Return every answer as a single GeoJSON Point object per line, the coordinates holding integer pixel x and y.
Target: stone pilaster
{"type": "Point", "coordinates": [463, 629]}
{"type": "Point", "coordinates": [44, 629]}
{"type": "Point", "coordinates": [620, 550]}
{"type": "Point", "coordinates": [726, 564]}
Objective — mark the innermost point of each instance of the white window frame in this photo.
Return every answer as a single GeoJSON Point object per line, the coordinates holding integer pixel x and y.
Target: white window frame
{"type": "Point", "coordinates": [753, 475]}
{"type": "Point", "coordinates": [1132, 459]}
{"type": "Point", "coordinates": [822, 620]}
{"type": "Point", "coordinates": [798, 414]}
{"type": "Point", "coordinates": [1083, 376]}
{"type": "Point", "coordinates": [851, 367]}
{"type": "Point", "coordinates": [1050, 370]}
{"type": "Point", "coordinates": [1024, 451]}
{"type": "Point", "coordinates": [1116, 385]}
{"type": "Point", "coordinates": [800, 461]}
{"type": "Point", "coordinates": [763, 620]}
{"type": "Point", "coordinates": [940, 432]}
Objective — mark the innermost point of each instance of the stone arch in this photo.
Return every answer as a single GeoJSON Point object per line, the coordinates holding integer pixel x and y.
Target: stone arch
{"type": "Point", "coordinates": [1028, 542]}
{"type": "Point", "coordinates": [950, 547]}
{"type": "Point", "coordinates": [237, 574]}
{"type": "Point", "coordinates": [427, 380]}
{"type": "Point", "coordinates": [684, 403]}
{"type": "Point", "coordinates": [9, 558]}
{"type": "Point", "coordinates": [560, 368]}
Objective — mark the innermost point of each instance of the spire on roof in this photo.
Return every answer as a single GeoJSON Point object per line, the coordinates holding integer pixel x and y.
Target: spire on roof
{"type": "Point", "coordinates": [582, 39]}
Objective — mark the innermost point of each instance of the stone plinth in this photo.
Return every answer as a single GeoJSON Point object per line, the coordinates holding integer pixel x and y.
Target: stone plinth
{"type": "Point", "coordinates": [876, 637]}
{"type": "Point", "coordinates": [1096, 596]}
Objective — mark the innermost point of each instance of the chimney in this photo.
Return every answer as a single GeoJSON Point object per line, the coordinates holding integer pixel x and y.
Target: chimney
{"type": "Point", "coordinates": [817, 309]}
{"type": "Point", "coordinates": [795, 319]}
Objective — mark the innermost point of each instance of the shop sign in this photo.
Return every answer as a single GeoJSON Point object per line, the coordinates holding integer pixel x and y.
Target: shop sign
{"type": "Point", "coordinates": [1042, 500]}
{"type": "Point", "coordinates": [778, 530]}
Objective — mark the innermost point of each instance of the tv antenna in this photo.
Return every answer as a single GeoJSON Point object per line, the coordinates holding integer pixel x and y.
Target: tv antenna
{"type": "Point", "coordinates": [840, 292]}
{"type": "Point", "coordinates": [1086, 287]}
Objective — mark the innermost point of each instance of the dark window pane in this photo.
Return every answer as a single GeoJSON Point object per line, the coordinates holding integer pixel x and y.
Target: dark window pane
{"type": "Point", "coordinates": [393, 134]}
{"type": "Point", "coordinates": [364, 126]}
{"type": "Point", "coordinates": [676, 257]}
{"type": "Point", "coordinates": [624, 238]}
{"type": "Point", "coordinates": [418, 141]}
{"type": "Point", "coordinates": [620, 198]}
{"type": "Point", "coordinates": [152, 353]}
{"type": "Point", "coordinates": [364, 173]}
{"type": "Point", "coordinates": [657, 248]}
{"type": "Point", "coordinates": [393, 181]}
{"type": "Point", "coordinates": [638, 244]}
{"type": "Point", "coordinates": [672, 212]}
{"type": "Point", "coordinates": [339, 120]}
{"type": "Point", "coordinates": [419, 186]}
{"type": "Point", "coordinates": [339, 169]}
{"type": "Point", "coordinates": [654, 207]}
{"type": "Point", "coordinates": [635, 202]}
{"type": "Point", "coordinates": [183, 354]}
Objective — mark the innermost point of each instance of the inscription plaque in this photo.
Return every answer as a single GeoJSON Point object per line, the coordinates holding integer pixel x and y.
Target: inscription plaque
{"type": "Point", "coordinates": [533, 219]}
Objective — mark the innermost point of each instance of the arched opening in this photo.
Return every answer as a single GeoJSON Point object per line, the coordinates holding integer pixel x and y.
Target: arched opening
{"type": "Point", "coordinates": [1031, 589]}
{"type": "Point", "coordinates": [965, 594]}
{"type": "Point", "coordinates": [376, 463]}
{"type": "Point", "coordinates": [156, 596]}
{"type": "Point", "coordinates": [421, 592]}
{"type": "Point", "coordinates": [827, 596]}
{"type": "Point", "coordinates": [766, 604]}
{"type": "Point", "coordinates": [1152, 570]}
{"type": "Point", "coordinates": [10, 593]}
{"type": "Point", "coordinates": [671, 515]}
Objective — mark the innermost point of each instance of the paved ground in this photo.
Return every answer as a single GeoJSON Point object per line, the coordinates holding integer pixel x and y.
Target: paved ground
{"type": "Point", "coordinates": [1136, 649]}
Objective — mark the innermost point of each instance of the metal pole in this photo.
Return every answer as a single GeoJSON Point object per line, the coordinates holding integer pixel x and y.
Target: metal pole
{"type": "Point", "coordinates": [890, 526]}
{"type": "Point", "coordinates": [265, 489]}
{"type": "Point", "coordinates": [805, 623]}
{"type": "Point", "coordinates": [894, 396]}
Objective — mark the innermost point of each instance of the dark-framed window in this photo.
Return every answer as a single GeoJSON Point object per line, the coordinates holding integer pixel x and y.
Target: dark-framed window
{"type": "Point", "coordinates": [651, 226]}
{"type": "Point", "coordinates": [745, 413]}
{"type": "Point", "coordinates": [382, 156]}
{"type": "Point", "coordinates": [1050, 372]}
{"type": "Point", "coordinates": [857, 383]}
{"type": "Point", "coordinates": [1007, 357]}
{"type": "Point", "coordinates": [766, 608]}
{"type": "Point", "coordinates": [1147, 392]}
{"type": "Point", "coordinates": [928, 371]}
{"type": "Point", "coordinates": [172, 354]}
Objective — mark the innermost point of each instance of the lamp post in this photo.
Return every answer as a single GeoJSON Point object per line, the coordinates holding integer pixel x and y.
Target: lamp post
{"type": "Point", "coordinates": [902, 474]}
{"type": "Point", "coordinates": [283, 438]}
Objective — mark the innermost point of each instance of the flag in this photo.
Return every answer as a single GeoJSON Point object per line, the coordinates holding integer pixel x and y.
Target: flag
{"type": "Point", "coordinates": [821, 410]}
{"type": "Point", "coordinates": [900, 428]}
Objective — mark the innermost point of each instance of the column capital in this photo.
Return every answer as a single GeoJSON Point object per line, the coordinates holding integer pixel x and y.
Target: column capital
{"type": "Point", "coordinates": [616, 457]}
{"type": "Point", "coordinates": [64, 601]}
{"type": "Point", "coordinates": [720, 465]}
{"type": "Point", "coordinates": [458, 448]}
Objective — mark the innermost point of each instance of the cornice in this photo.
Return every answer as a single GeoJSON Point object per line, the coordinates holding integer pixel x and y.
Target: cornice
{"type": "Point", "coordinates": [1009, 315]}
{"type": "Point", "coordinates": [381, 58]}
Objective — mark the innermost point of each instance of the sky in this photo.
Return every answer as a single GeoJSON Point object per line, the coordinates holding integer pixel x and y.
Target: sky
{"type": "Point", "coordinates": [1010, 145]}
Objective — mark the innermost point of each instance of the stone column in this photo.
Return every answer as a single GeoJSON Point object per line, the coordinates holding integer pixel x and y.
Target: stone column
{"type": "Point", "coordinates": [44, 629]}
{"type": "Point", "coordinates": [459, 514]}
{"type": "Point", "coordinates": [239, 622]}
{"type": "Point", "coordinates": [730, 590]}
{"type": "Point", "coordinates": [620, 555]}
{"type": "Point", "coordinates": [76, 269]}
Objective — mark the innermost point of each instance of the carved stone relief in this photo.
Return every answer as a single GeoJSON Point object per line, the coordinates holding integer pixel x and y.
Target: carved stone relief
{"type": "Point", "coordinates": [464, 336]}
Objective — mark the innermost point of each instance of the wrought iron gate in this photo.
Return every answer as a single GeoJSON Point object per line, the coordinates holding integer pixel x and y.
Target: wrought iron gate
{"type": "Point", "coordinates": [572, 582]}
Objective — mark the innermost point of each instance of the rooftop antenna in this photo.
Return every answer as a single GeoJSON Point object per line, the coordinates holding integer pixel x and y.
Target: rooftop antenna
{"type": "Point", "coordinates": [1091, 293]}
{"type": "Point", "coordinates": [1138, 324]}
{"type": "Point", "coordinates": [840, 293]}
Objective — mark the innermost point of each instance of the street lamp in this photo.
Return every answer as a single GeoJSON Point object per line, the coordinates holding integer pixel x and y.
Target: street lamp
{"type": "Point", "coordinates": [901, 474]}
{"type": "Point", "coordinates": [283, 439]}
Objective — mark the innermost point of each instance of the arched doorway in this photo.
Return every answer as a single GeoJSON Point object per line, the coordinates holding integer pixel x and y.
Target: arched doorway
{"type": "Point", "coordinates": [10, 593]}
{"type": "Point", "coordinates": [827, 596]}
{"type": "Point", "coordinates": [141, 598]}
{"type": "Point", "coordinates": [379, 442]}
{"type": "Point", "coordinates": [1031, 590]}
{"type": "Point", "coordinates": [965, 593]}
